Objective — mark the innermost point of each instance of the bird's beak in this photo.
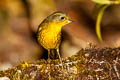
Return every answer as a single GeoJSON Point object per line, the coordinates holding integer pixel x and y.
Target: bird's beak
{"type": "Point", "coordinates": [69, 21]}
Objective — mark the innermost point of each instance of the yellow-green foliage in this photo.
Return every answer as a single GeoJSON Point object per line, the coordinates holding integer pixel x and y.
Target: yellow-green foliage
{"type": "Point", "coordinates": [103, 4]}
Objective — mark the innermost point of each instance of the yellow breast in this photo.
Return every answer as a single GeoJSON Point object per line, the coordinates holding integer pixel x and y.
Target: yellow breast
{"type": "Point", "coordinates": [50, 37]}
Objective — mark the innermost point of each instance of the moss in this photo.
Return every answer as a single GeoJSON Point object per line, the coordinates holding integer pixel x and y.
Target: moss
{"type": "Point", "coordinates": [90, 63]}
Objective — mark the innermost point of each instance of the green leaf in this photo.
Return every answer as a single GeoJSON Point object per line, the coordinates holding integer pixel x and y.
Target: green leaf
{"type": "Point", "coordinates": [98, 22]}
{"type": "Point", "coordinates": [103, 1]}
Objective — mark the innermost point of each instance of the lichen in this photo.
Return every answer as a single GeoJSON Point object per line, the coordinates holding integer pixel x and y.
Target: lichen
{"type": "Point", "coordinates": [87, 64]}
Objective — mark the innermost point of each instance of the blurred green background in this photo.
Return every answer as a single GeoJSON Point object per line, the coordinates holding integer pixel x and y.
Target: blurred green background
{"type": "Point", "coordinates": [20, 18]}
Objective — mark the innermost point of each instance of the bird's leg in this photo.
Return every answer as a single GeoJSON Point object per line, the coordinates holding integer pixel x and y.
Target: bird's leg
{"type": "Point", "coordinates": [48, 54]}
{"type": "Point", "coordinates": [49, 64]}
{"type": "Point", "coordinates": [49, 60]}
{"type": "Point", "coordinates": [59, 57]}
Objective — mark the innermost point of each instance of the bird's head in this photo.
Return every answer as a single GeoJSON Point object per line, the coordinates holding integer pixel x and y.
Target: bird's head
{"type": "Point", "coordinates": [58, 18]}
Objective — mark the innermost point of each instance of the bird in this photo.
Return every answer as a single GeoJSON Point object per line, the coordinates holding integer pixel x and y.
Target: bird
{"type": "Point", "coordinates": [49, 31]}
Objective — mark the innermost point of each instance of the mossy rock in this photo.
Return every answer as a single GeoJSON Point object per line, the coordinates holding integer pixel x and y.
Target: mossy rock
{"type": "Point", "coordinates": [87, 64]}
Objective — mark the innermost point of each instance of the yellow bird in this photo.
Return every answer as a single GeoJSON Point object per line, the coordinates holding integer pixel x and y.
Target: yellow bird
{"type": "Point", "coordinates": [49, 31]}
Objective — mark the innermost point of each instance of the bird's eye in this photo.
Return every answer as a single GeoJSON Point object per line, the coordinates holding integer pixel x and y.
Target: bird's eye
{"type": "Point", "coordinates": [62, 18]}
